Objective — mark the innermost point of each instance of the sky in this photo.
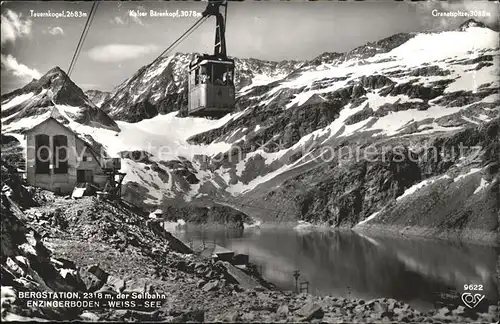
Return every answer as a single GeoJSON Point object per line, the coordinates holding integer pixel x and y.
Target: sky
{"type": "Point", "coordinates": [118, 44]}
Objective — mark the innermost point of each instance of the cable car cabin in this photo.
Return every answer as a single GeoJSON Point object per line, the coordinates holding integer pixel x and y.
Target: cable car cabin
{"type": "Point", "coordinates": [211, 86]}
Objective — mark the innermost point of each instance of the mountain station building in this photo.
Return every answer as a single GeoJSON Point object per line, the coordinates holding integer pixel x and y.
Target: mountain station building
{"type": "Point", "coordinates": [57, 159]}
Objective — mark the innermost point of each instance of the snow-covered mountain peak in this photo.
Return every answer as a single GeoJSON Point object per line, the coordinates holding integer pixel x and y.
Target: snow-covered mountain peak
{"type": "Point", "coordinates": [428, 47]}
{"type": "Point", "coordinates": [57, 85]}
{"type": "Point", "coordinates": [471, 23]}
{"type": "Point", "coordinates": [37, 99]}
{"type": "Point", "coordinates": [55, 72]}
{"type": "Point", "coordinates": [161, 86]}
{"type": "Point", "coordinates": [406, 86]}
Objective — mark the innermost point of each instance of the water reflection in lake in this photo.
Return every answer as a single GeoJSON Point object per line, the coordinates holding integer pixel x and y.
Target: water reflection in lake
{"type": "Point", "coordinates": [345, 263]}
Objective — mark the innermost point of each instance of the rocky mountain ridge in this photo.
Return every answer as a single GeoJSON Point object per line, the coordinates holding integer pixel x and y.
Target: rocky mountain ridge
{"type": "Point", "coordinates": [97, 96]}
{"type": "Point", "coordinates": [169, 75]}
{"type": "Point", "coordinates": [53, 245]}
{"type": "Point", "coordinates": [471, 23]}
{"type": "Point", "coordinates": [161, 88]}
{"type": "Point", "coordinates": [289, 114]}
{"type": "Point", "coordinates": [144, 90]}
{"type": "Point", "coordinates": [53, 90]}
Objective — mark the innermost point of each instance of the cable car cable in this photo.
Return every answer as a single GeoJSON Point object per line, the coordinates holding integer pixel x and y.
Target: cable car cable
{"type": "Point", "coordinates": [78, 50]}
{"type": "Point", "coordinates": [81, 37]}
{"type": "Point", "coordinates": [75, 54]}
{"type": "Point", "coordinates": [189, 31]}
{"type": "Point", "coordinates": [92, 16]}
{"type": "Point", "coordinates": [175, 43]}
{"type": "Point", "coordinates": [195, 26]}
{"type": "Point", "coordinates": [87, 23]}
{"type": "Point", "coordinates": [81, 46]}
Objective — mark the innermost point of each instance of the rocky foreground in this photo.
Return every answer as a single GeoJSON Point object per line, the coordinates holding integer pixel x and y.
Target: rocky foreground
{"type": "Point", "coordinates": [52, 243]}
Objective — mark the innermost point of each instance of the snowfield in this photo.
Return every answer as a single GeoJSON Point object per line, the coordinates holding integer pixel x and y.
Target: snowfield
{"type": "Point", "coordinates": [425, 48]}
{"type": "Point", "coordinates": [165, 136]}
{"type": "Point", "coordinates": [16, 100]}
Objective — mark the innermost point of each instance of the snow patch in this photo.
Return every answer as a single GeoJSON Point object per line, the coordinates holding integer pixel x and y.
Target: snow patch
{"type": "Point", "coordinates": [375, 100]}
{"type": "Point", "coordinates": [492, 98]}
{"type": "Point", "coordinates": [157, 70]}
{"type": "Point", "coordinates": [240, 167]}
{"type": "Point", "coordinates": [471, 80]}
{"type": "Point", "coordinates": [461, 176]}
{"type": "Point", "coordinates": [303, 225]}
{"type": "Point", "coordinates": [25, 123]}
{"type": "Point", "coordinates": [418, 50]}
{"type": "Point", "coordinates": [261, 79]}
{"type": "Point", "coordinates": [27, 248]}
{"type": "Point", "coordinates": [482, 185]}
{"type": "Point", "coordinates": [64, 272]}
{"type": "Point", "coordinates": [11, 317]}
{"type": "Point", "coordinates": [467, 119]}
{"type": "Point", "coordinates": [254, 225]}
{"type": "Point", "coordinates": [166, 143]}
{"type": "Point", "coordinates": [16, 101]}
{"type": "Point", "coordinates": [391, 124]}
{"type": "Point", "coordinates": [419, 186]}
{"type": "Point", "coordinates": [369, 218]}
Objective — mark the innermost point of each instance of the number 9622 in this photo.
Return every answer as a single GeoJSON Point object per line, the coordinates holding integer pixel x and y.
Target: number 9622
{"type": "Point", "coordinates": [473, 287]}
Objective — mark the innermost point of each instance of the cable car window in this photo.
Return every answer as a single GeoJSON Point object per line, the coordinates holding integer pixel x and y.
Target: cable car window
{"type": "Point", "coordinates": [219, 70]}
{"type": "Point", "coordinates": [227, 77]}
{"type": "Point", "coordinates": [204, 75]}
{"type": "Point", "coordinates": [196, 77]}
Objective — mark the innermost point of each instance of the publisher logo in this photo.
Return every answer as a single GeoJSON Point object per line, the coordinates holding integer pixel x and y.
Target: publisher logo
{"type": "Point", "coordinates": [472, 300]}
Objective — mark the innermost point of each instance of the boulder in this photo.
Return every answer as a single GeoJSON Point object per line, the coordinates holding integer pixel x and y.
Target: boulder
{"type": "Point", "coordinates": [197, 316]}
{"type": "Point", "coordinates": [181, 265]}
{"type": "Point", "coordinates": [140, 286]}
{"type": "Point", "coordinates": [310, 311]}
{"type": "Point", "coordinates": [199, 265]}
{"type": "Point", "coordinates": [283, 310]}
{"type": "Point", "coordinates": [494, 310]}
{"type": "Point", "coordinates": [93, 277]}
{"type": "Point", "coordinates": [132, 315]}
{"type": "Point", "coordinates": [201, 283]}
{"type": "Point", "coordinates": [460, 310]}
{"type": "Point", "coordinates": [107, 289]}
{"type": "Point", "coordinates": [64, 263]}
{"type": "Point", "coordinates": [88, 317]}
{"type": "Point", "coordinates": [211, 285]}
{"type": "Point", "coordinates": [98, 272]}
{"type": "Point", "coordinates": [210, 274]}
{"type": "Point", "coordinates": [232, 316]}
{"type": "Point", "coordinates": [237, 288]}
{"type": "Point", "coordinates": [442, 314]}
{"type": "Point", "coordinates": [248, 317]}
{"type": "Point", "coordinates": [117, 283]}
{"type": "Point", "coordinates": [237, 276]}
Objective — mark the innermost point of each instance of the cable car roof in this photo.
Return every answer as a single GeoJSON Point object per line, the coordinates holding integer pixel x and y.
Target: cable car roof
{"type": "Point", "coordinates": [194, 65]}
{"type": "Point", "coordinates": [205, 58]}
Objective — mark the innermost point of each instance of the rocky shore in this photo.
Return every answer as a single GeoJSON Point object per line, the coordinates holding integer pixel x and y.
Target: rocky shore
{"type": "Point", "coordinates": [52, 243]}
{"type": "Point", "coordinates": [206, 215]}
